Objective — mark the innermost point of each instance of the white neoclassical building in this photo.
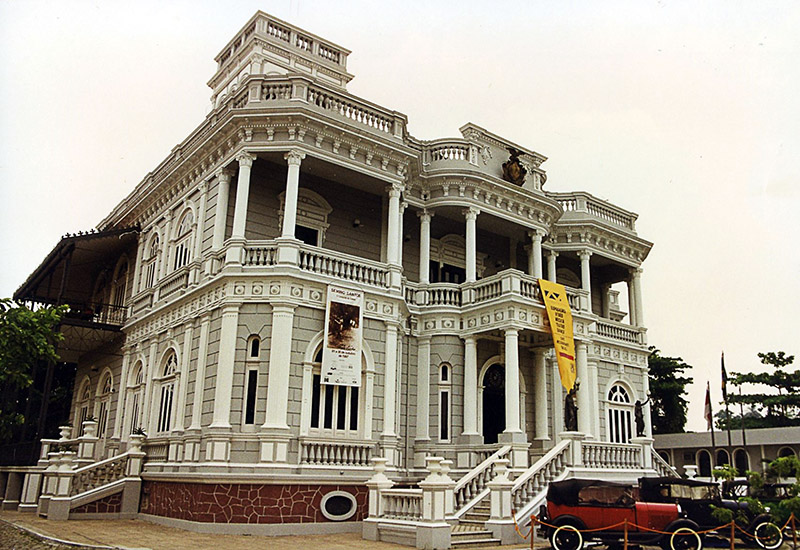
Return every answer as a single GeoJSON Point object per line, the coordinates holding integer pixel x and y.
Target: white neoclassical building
{"type": "Point", "coordinates": [199, 313]}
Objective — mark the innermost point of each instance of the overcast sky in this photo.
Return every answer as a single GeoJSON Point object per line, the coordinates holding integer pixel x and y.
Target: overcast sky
{"type": "Point", "coordinates": [687, 113]}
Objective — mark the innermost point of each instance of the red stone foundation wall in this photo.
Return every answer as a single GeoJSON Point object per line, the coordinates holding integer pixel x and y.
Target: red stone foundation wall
{"type": "Point", "coordinates": [243, 503]}
{"type": "Point", "coordinates": [112, 504]}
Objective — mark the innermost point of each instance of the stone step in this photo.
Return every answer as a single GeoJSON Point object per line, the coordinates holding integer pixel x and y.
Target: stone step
{"type": "Point", "coordinates": [475, 543]}
{"type": "Point", "coordinates": [470, 535]}
{"type": "Point", "coordinates": [476, 515]}
{"type": "Point", "coordinates": [468, 521]}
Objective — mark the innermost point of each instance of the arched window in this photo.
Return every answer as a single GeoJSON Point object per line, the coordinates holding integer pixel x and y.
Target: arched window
{"type": "Point", "coordinates": [251, 382]}
{"type": "Point", "coordinates": [118, 288]}
{"type": "Point", "coordinates": [151, 262]}
{"type": "Point", "coordinates": [82, 408]}
{"type": "Point", "coordinates": [104, 389]}
{"type": "Point", "coordinates": [335, 410]}
{"type": "Point", "coordinates": [704, 463]}
{"type": "Point", "coordinates": [253, 348]}
{"type": "Point", "coordinates": [167, 394]}
{"type": "Point", "coordinates": [620, 412]}
{"type": "Point", "coordinates": [183, 241]}
{"type": "Point", "coordinates": [723, 457]}
{"type": "Point", "coordinates": [741, 461]}
{"type": "Point", "coordinates": [135, 396]}
{"type": "Point", "coordinates": [785, 451]}
{"type": "Point", "coordinates": [445, 381]}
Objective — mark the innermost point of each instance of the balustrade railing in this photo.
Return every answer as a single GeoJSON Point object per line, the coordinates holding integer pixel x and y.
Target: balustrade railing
{"type": "Point", "coordinates": [336, 453]}
{"type": "Point", "coordinates": [343, 266]}
{"type": "Point", "coordinates": [488, 290]}
{"type": "Point", "coordinates": [156, 451]}
{"type": "Point", "coordinates": [99, 474]}
{"type": "Point", "coordinates": [663, 467]}
{"type": "Point", "coordinates": [584, 202]}
{"type": "Point", "coordinates": [469, 486]}
{"type": "Point", "coordinates": [174, 283]}
{"type": "Point", "coordinates": [260, 255]}
{"type": "Point", "coordinates": [540, 474]}
{"type": "Point", "coordinates": [618, 331]}
{"type": "Point", "coordinates": [95, 312]}
{"type": "Point", "coordinates": [402, 503]}
{"type": "Point", "coordinates": [444, 294]}
{"type": "Point", "coordinates": [611, 455]}
{"type": "Point", "coordinates": [350, 108]}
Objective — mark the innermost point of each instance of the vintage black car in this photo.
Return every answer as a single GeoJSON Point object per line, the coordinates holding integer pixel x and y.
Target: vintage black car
{"type": "Point", "coordinates": [698, 500]}
{"type": "Point", "coordinates": [581, 510]}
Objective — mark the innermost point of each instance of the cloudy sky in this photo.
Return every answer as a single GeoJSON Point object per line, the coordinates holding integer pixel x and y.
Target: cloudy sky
{"type": "Point", "coordinates": [687, 113]}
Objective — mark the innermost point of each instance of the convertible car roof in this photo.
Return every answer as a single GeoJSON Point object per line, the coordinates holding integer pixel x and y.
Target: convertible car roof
{"type": "Point", "coordinates": [565, 493]}
{"type": "Point", "coordinates": [648, 482]}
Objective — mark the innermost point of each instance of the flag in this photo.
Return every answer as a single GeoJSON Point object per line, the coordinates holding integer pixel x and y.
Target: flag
{"type": "Point", "coordinates": [708, 415]}
{"type": "Point", "coordinates": [724, 380]}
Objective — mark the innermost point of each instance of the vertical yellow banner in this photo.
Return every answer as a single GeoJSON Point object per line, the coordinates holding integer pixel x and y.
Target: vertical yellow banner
{"type": "Point", "coordinates": [560, 316]}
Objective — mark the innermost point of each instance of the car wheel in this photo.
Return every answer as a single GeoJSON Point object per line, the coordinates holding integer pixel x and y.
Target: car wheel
{"type": "Point", "coordinates": [768, 535]}
{"type": "Point", "coordinates": [684, 538]}
{"type": "Point", "coordinates": [566, 537]}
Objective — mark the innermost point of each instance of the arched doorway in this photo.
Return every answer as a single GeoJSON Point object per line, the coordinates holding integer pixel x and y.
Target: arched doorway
{"type": "Point", "coordinates": [494, 403]}
{"type": "Point", "coordinates": [704, 463]}
{"type": "Point", "coordinates": [722, 457]}
{"type": "Point", "coordinates": [741, 461]}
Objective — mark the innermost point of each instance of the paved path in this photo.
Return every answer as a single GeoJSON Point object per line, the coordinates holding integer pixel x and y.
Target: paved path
{"type": "Point", "coordinates": [142, 534]}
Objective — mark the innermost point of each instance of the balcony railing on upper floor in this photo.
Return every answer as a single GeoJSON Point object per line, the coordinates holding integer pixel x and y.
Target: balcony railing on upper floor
{"type": "Point", "coordinates": [596, 208]}
{"type": "Point", "coordinates": [619, 331]}
{"type": "Point", "coordinates": [291, 90]}
{"type": "Point", "coordinates": [97, 313]}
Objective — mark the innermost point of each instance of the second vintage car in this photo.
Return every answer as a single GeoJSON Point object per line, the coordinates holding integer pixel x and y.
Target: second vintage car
{"type": "Point", "coordinates": [583, 510]}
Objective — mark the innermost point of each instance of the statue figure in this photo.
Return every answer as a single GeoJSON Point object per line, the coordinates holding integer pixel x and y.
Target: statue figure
{"type": "Point", "coordinates": [638, 415]}
{"type": "Point", "coordinates": [513, 170]}
{"type": "Point", "coordinates": [571, 409]}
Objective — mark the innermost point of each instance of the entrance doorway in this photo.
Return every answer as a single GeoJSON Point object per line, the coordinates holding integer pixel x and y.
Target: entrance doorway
{"type": "Point", "coordinates": [494, 403]}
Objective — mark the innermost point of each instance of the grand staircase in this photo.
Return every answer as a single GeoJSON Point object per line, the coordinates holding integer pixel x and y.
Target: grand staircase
{"type": "Point", "coordinates": [470, 531]}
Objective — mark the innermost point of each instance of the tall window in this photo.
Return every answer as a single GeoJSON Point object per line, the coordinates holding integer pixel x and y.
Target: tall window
{"type": "Point", "coordinates": [103, 401]}
{"type": "Point", "coordinates": [151, 262]}
{"type": "Point", "coordinates": [167, 394]}
{"type": "Point", "coordinates": [118, 286]}
{"type": "Point", "coordinates": [445, 382]}
{"type": "Point", "coordinates": [183, 243]}
{"type": "Point", "coordinates": [619, 415]}
{"type": "Point", "coordinates": [251, 382]}
{"type": "Point", "coordinates": [334, 409]}
{"type": "Point", "coordinates": [84, 402]}
{"type": "Point", "coordinates": [135, 396]}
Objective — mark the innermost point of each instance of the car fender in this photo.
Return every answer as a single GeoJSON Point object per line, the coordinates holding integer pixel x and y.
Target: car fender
{"type": "Point", "coordinates": [759, 519]}
{"type": "Point", "coordinates": [682, 522]}
{"type": "Point", "coordinates": [569, 518]}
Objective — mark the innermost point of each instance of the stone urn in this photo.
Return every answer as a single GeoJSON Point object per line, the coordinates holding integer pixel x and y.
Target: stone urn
{"type": "Point", "coordinates": [65, 432]}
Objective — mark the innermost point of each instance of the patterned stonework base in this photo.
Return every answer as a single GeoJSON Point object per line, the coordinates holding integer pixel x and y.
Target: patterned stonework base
{"type": "Point", "coordinates": [243, 503]}
{"type": "Point", "coordinates": [112, 504]}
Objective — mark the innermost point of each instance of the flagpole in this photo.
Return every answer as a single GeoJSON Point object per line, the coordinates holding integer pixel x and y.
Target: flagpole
{"type": "Point", "coordinates": [710, 420]}
{"type": "Point", "coordinates": [744, 436]}
{"type": "Point", "coordinates": [727, 410]}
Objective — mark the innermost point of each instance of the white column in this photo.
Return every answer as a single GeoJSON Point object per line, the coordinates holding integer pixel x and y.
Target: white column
{"type": "Point", "coordinates": [470, 386]}
{"type": "Point", "coordinates": [221, 212]}
{"type": "Point", "coordinates": [121, 393]}
{"type": "Point", "coordinates": [512, 381]}
{"type": "Point", "coordinates": [183, 381]}
{"type": "Point", "coordinates": [400, 237]}
{"type": "Point", "coordinates": [148, 388]}
{"type": "Point", "coordinates": [166, 247]}
{"type": "Point", "coordinates": [393, 224]}
{"type": "Point", "coordinates": [225, 365]}
{"type": "Point", "coordinates": [137, 270]}
{"type": "Point", "coordinates": [200, 376]}
{"type": "Point", "coordinates": [632, 303]}
{"type": "Point", "coordinates": [280, 360]}
{"type": "Point", "coordinates": [471, 215]}
{"type": "Point", "coordinates": [423, 388]}
{"type": "Point", "coordinates": [606, 309]}
{"type": "Point", "coordinates": [293, 159]}
{"type": "Point", "coordinates": [424, 246]}
{"type": "Point", "coordinates": [551, 266]}
{"type": "Point", "coordinates": [535, 260]}
{"type": "Point", "coordinates": [586, 281]}
{"type": "Point", "coordinates": [390, 380]}
{"type": "Point", "coordinates": [540, 395]}
{"type": "Point", "coordinates": [637, 292]}
{"type": "Point", "coordinates": [200, 223]}
{"type": "Point", "coordinates": [245, 160]}
{"type": "Point", "coordinates": [585, 391]}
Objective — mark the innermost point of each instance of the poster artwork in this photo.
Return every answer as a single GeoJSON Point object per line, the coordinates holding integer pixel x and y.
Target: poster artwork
{"type": "Point", "coordinates": [341, 352]}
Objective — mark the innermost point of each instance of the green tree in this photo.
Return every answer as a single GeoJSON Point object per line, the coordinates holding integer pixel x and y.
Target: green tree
{"type": "Point", "coordinates": [667, 391]}
{"type": "Point", "coordinates": [779, 403]}
{"type": "Point", "coordinates": [27, 336]}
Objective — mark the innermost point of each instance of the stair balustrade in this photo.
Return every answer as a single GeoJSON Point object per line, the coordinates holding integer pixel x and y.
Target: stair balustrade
{"type": "Point", "coordinates": [536, 478]}
{"type": "Point", "coordinates": [474, 483]}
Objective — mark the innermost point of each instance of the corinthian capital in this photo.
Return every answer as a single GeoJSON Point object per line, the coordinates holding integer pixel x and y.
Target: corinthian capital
{"type": "Point", "coordinates": [471, 213]}
{"type": "Point", "coordinates": [294, 157]}
{"type": "Point", "coordinates": [395, 189]}
{"type": "Point", "coordinates": [245, 159]}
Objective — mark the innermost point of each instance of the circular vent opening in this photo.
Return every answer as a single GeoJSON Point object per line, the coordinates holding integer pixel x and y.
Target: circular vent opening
{"type": "Point", "coordinates": [338, 505]}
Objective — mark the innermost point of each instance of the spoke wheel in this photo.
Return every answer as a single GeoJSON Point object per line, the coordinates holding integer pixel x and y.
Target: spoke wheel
{"type": "Point", "coordinates": [685, 538]}
{"type": "Point", "coordinates": [566, 537]}
{"type": "Point", "coordinates": [768, 535]}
